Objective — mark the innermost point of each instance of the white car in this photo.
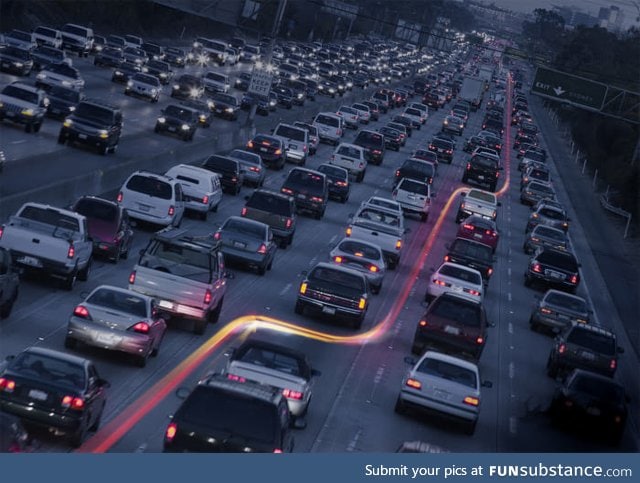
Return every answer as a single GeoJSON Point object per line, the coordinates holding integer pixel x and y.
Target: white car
{"type": "Point", "coordinates": [352, 158]}
{"type": "Point", "coordinates": [363, 112]}
{"type": "Point", "coordinates": [443, 384]}
{"type": "Point", "coordinates": [416, 116]}
{"type": "Point", "coordinates": [144, 85]}
{"type": "Point", "coordinates": [456, 279]}
{"type": "Point", "coordinates": [414, 197]}
{"type": "Point", "coordinates": [350, 116]}
{"type": "Point", "coordinates": [363, 257]}
{"type": "Point", "coordinates": [216, 82]}
{"type": "Point", "coordinates": [61, 75]}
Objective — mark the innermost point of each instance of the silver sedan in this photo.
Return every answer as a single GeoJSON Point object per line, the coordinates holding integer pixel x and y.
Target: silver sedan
{"type": "Point", "coordinates": [251, 165]}
{"type": "Point", "coordinates": [362, 256]}
{"type": "Point", "coordinates": [117, 319]}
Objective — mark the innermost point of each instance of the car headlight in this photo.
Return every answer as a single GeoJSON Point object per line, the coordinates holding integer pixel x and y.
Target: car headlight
{"type": "Point", "coordinates": [40, 76]}
{"type": "Point", "coordinates": [129, 83]}
{"type": "Point", "coordinates": [103, 134]}
{"type": "Point", "coordinates": [300, 96]}
{"type": "Point", "coordinates": [272, 103]}
{"type": "Point", "coordinates": [229, 109]}
{"type": "Point", "coordinates": [72, 108]}
{"type": "Point", "coordinates": [162, 120]}
{"type": "Point", "coordinates": [176, 87]}
{"type": "Point", "coordinates": [203, 118]}
{"type": "Point", "coordinates": [27, 112]}
{"type": "Point", "coordinates": [332, 90]}
{"type": "Point", "coordinates": [194, 93]}
{"type": "Point", "coordinates": [163, 75]}
{"type": "Point", "coordinates": [67, 123]}
{"type": "Point", "coordinates": [154, 91]}
{"type": "Point", "coordinates": [185, 127]}
{"type": "Point", "coordinates": [117, 72]}
{"type": "Point", "coordinates": [20, 64]}
{"type": "Point", "coordinates": [66, 83]}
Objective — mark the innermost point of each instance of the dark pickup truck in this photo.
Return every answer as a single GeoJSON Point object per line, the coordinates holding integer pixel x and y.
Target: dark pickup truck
{"type": "Point", "coordinates": [472, 254]}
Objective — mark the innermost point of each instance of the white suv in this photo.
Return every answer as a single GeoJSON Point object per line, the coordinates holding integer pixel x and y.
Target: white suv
{"type": "Point", "coordinates": [350, 157]}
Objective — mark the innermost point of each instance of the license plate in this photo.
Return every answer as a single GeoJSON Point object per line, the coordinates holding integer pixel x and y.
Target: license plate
{"type": "Point", "coordinates": [264, 150]}
{"type": "Point", "coordinates": [480, 177]}
{"type": "Point", "coordinates": [593, 411]}
{"type": "Point", "coordinates": [302, 197]}
{"type": "Point", "coordinates": [328, 310]}
{"type": "Point", "coordinates": [451, 330]}
{"type": "Point", "coordinates": [293, 146]}
{"type": "Point", "coordinates": [82, 136]}
{"type": "Point", "coordinates": [456, 289]}
{"type": "Point", "coordinates": [477, 235]}
{"type": "Point", "coordinates": [556, 275]}
{"type": "Point", "coordinates": [31, 261]}
{"type": "Point", "coordinates": [440, 394]}
{"type": "Point", "coordinates": [172, 129]}
{"type": "Point", "coordinates": [39, 395]}
{"type": "Point", "coordinates": [165, 304]}
{"type": "Point", "coordinates": [144, 207]}
{"type": "Point", "coordinates": [107, 339]}
{"type": "Point", "coordinates": [238, 244]}
{"type": "Point", "coordinates": [587, 356]}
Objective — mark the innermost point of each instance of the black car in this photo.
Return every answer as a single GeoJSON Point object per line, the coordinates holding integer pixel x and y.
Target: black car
{"type": "Point", "coordinates": [482, 170]}
{"type": "Point", "coordinates": [125, 71]}
{"type": "Point", "coordinates": [62, 101]}
{"type": "Point", "coordinates": [392, 137]}
{"type": "Point", "coordinates": [417, 169]}
{"type": "Point", "coordinates": [284, 94]}
{"type": "Point", "coordinates": [242, 81]}
{"type": "Point", "coordinates": [160, 69]}
{"type": "Point", "coordinates": [15, 60]}
{"type": "Point", "coordinates": [53, 389]}
{"type": "Point", "coordinates": [474, 142]}
{"type": "Point", "coordinates": [225, 105]}
{"type": "Point", "coordinates": [338, 181]}
{"type": "Point", "coordinates": [555, 268]}
{"type": "Point", "coordinates": [179, 120]}
{"type": "Point", "coordinates": [493, 124]}
{"type": "Point", "coordinates": [43, 56]}
{"type": "Point", "coordinates": [229, 170]}
{"type": "Point", "coordinates": [13, 437]}
{"type": "Point", "coordinates": [109, 57]}
{"type": "Point", "coordinates": [472, 254]}
{"type": "Point", "coordinates": [203, 108]}
{"type": "Point", "coordinates": [108, 226]}
{"type": "Point", "coordinates": [334, 291]}
{"type": "Point", "coordinates": [432, 100]}
{"type": "Point", "coordinates": [271, 150]}
{"type": "Point", "coordinates": [153, 51]}
{"type": "Point", "coordinates": [94, 123]}
{"type": "Point", "coordinates": [373, 144]}
{"type": "Point", "coordinates": [176, 57]}
{"type": "Point", "coordinates": [591, 403]}
{"type": "Point", "coordinates": [187, 87]}
{"type": "Point", "coordinates": [406, 122]}
{"type": "Point", "coordinates": [452, 324]}
{"type": "Point", "coordinates": [298, 91]}
{"type": "Point", "coordinates": [443, 148]}
{"type": "Point", "coordinates": [584, 346]}
{"type": "Point", "coordinates": [226, 414]}
{"type": "Point", "coordinates": [310, 190]}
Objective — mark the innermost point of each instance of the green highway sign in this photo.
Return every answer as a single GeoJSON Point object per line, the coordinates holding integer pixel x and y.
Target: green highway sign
{"type": "Point", "coordinates": [568, 88]}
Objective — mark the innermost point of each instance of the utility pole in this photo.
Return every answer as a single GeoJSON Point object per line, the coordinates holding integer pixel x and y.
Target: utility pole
{"type": "Point", "coordinates": [282, 5]}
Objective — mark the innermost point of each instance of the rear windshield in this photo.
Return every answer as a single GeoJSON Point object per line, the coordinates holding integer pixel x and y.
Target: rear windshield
{"type": "Point", "coordinates": [595, 341]}
{"type": "Point", "coordinates": [245, 156]}
{"type": "Point", "coordinates": [373, 139]}
{"type": "Point", "coordinates": [305, 179]}
{"type": "Point", "coordinates": [378, 216]}
{"type": "Point", "coordinates": [422, 167]}
{"type": "Point", "coordinates": [473, 250]}
{"type": "Point", "coordinates": [558, 259]}
{"type": "Point", "coordinates": [150, 186]}
{"type": "Point", "coordinates": [97, 209]}
{"type": "Point", "coordinates": [333, 171]}
{"type": "Point", "coordinates": [448, 371]}
{"type": "Point", "coordinates": [290, 132]}
{"type": "Point", "coordinates": [597, 388]}
{"type": "Point", "coordinates": [414, 187]}
{"type": "Point", "coordinates": [484, 161]}
{"type": "Point", "coordinates": [480, 195]}
{"type": "Point", "coordinates": [64, 94]}
{"type": "Point", "coordinates": [548, 232]}
{"type": "Point", "coordinates": [244, 227]}
{"type": "Point", "coordinates": [535, 156]}
{"type": "Point", "coordinates": [265, 357]}
{"type": "Point", "coordinates": [180, 260]}
{"type": "Point", "coordinates": [58, 371]}
{"type": "Point", "coordinates": [122, 302]}
{"type": "Point", "coordinates": [462, 312]}
{"type": "Point", "coordinates": [219, 163]}
{"type": "Point", "coordinates": [460, 274]}
{"type": "Point", "coordinates": [572, 303]}
{"type": "Point", "coordinates": [337, 277]}
{"type": "Point", "coordinates": [441, 143]}
{"type": "Point", "coordinates": [237, 415]}
{"type": "Point", "coordinates": [349, 151]}
{"type": "Point", "coordinates": [328, 120]}
{"type": "Point", "coordinates": [553, 214]}
{"type": "Point", "coordinates": [359, 250]}
{"type": "Point", "coordinates": [50, 217]}
{"type": "Point", "coordinates": [267, 202]}
{"type": "Point", "coordinates": [540, 187]}
{"type": "Point", "coordinates": [413, 112]}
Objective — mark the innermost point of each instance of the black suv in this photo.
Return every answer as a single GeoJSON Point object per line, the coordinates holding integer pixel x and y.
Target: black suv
{"type": "Point", "coordinates": [417, 169]}
{"type": "Point", "coordinates": [483, 170]}
{"type": "Point", "coordinates": [583, 346]}
{"type": "Point", "coordinates": [179, 120]}
{"type": "Point", "coordinates": [225, 414]}
{"type": "Point", "coordinates": [443, 148]}
{"type": "Point", "coordinates": [310, 190]}
{"type": "Point", "coordinates": [229, 170]}
{"type": "Point", "coordinates": [94, 123]}
{"type": "Point", "coordinates": [472, 254]}
{"type": "Point", "coordinates": [452, 324]}
{"type": "Point", "coordinates": [274, 209]}
{"type": "Point", "coordinates": [373, 144]}
{"type": "Point", "coordinates": [334, 291]}
{"type": "Point", "coordinates": [62, 101]}
{"type": "Point", "coordinates": [187, 87]}
{"type": "Point", "coordinates": [555, 268]}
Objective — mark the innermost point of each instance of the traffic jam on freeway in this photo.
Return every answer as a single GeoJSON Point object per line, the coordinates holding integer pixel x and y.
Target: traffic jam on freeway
{"type": "Point", "coordinates": [384, 259]}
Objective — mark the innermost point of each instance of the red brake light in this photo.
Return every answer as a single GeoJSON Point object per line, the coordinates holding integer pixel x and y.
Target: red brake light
{"type": "Point", "coordinates": [537, 268]}
{"type": "Point", "coordinates": [475, 293]}
{"type": "Point", "coordinates": [72, 402]}
{"type": "Point", "coordinates": [132, 277]}
{"type": "Point", "coordinates": [439, 282]}
{"type": "Point", "coordinates": [278, 151]}
{"type": "Point", "coordinates": [613, 364]}
{"type": "Point", "coordinates": [119, 198]}
{"type": "Point", "coordinates": [341, 183]}
{"type": "Point", "coordinates": [317, 199]}
{"type": "Point", "coordinates": [573, 279]}
{"type": "Point", "coordinates": [414, 383]}
{"type": "Point", "coordinates": [217, 236]}
{"type": "Point", "coordinates": [7, 385]}
{"type": "Point", "coordinates": [398, 244]}
{"type": "Point", "coordinates": [205, 200]}
{"type": "Point", "coordinates": [243, 212]}
{"type": "Point", "coordinates": [397, 173]}
{"type": "Point", "coordinates": [562, 348]}
{"type": "Point", "coordinates": [233, 377]}
{"type": "Point", "coordinates": [288, 223]}
{"type": "Point", "coordinates": [207, 296]}
{"type": "Point", "coordinates": [277, 450]}
{"type": "Point", "coordinates": [291, 394]}
{"type": "Point", "coordinates": [447, 258]}
{"type": "Point", "coordinates": [82, 312]}
{"type": "Point", "coordinates": [263, 249]}
{"type": "Point", "coordinates": [349, 231]}
{"type": "Point", "coordinates": [479, 340]}
{"type": "Point", "coordinates": [468, 166]}
{"type": "Point", "coordinates": [255, 169]}
{"type": "Point", "coordinates": [467, 226]}
{"type": "Point", "coordinates": [141, 327]}
{"type": "Point", "coordinates": [170, 433]}
{"type": "Point", "coordinates": [287, 191]}
{"type": "Point", "coordinates": [422, 323]}
{"type": "Point", "coordinates": [71, 252]}
{"type": "Point", "coordinates": [171, 211]}
{"type": "Point", "coordinates": [1, 231]}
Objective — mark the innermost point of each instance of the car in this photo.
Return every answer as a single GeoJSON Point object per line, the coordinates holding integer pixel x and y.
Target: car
{"type": "Point", "coordinates": [271, 150]}
{"type": "Point", "coordinates": [479, 229]}
{"type": "Point", "coordinates": [453, 324]}
{"type": "Point", "coordinates": [108, 226]}
{"type": "Point", "coordinates": [13, 436]}
{"type": "Point", "coordinates": [159, 69]}
{"type": "Point", "coordinates": [551, 267]}
{"type": "Point", "coordinates": [203, 108]}
{"type": "Point", "coordinates": [416, 116]}
{"type": "Point", "coordinates": [134, 55]}
{"type": "Point", "coordinates": [179, 120]}
{"type": "Point", "coordinates": [230, 415]}
{"type": "Point", "coordinates": [215, 82]}
{"type": "Point", "coordinates": [278, 366]}
{"type": "Point", "coordinates": [414, 197]}
{"type": "Point", "coordinates": [143, 85]}
{"type": "Point", "coordinates": [453, 124]}
{"type": "Point", "coordinates": [116, 42]}
{"type": "Point", "coordinates": [124, 71]}
{"type": "Point", "coordinates": [593, 403]}
{"type": "Point", "coordinates": [445, 385]}
{"type": "Point", "coordinates": [478, 202]}
{"type": "Point", "coordinates": [21, 103]}
{"type": "Point", "coordinates": [62, 101]}
{"type": "Point", "coordinates": [374, 110]}
{"type": "Point", "coordinates": [405, 121]}
{"type": "Point", "coordinates": [352, 158]}
{"type": "Point", "coordinates": [59, 75]}
{"type": "Point", "coordinates": [95, 123]}
{"type": "Point", "coordinates": [44, 56]}
{"type": "Point", "coordinates": [363, 257]}
{"type": "Point", "coordinates": [549, 215]}
{"type": "Point", "coordinates": [284, 95]}
{"type": "Point", "coordinates": [296, 141]}
{"type": "Point", "coordinates": [543, 236]}
{"type": "Point", "coordinates": [310, 190]}
{"type": "Point", "coordinates": [416, 169]}
{"type": "Point", "coordinates": [443, 148]}
{"type": "Point", "coordinates": [225, 105]}
{"type": "Point", "coordinates": [349, 115]}
{"type": "Point", "coordinates": [531, 153]}
{"type": "Point", "coordinates": [153, 51]}
{"type": "Point", "coordinates": [535, 172]}
{"type": "Point", "coordinates": [334, 291]}
{"type": "Point", "coordinates": [201, 189]}
{"type": "Point", "coordinates": [55, 390]}
{"type": "Point", "coordinates": [20, 39]}
{"type": "Point", "coordinates": [557, 310]}
{"type": "Point", "coordinates": [393, 138]}
{"type": "Point", "coordinates": [175, 56]}
{"type": "Point", "coordinates": [247, 242]}
{"type": "Point", "coordinates": [584, 346]}
{"type": "Point", "coordinates": [252, 166]}
{"type": "Point", "coordinates": [373, 144]}
{"type": "Point", "coordinates": [338, 181]}
{"type": "Point", "coordinates": [228, 169]}
{"type": "Point", "coordinates": [312, 133]}
{"type": "Point", "coordinates": [45, 36]}
{"type": "Point", "coordinates": [9, 283]}
{"type": "Point", "coordinates": [457, 279]}
{"type": "Point", "coordinates": [117, 319]}
{"type": "Point", "coordinates": [363, 112]}
{"type": "Point", "coordinates": [523, 138]}
{"type": "Point", "coordinates": [535, 191]}
{"type": "Point", "coordinates": [426, 155]}
{"type": "Point", "coordinates": [399, 127]}
{"type": "Point", "coordinates": [187, 87]}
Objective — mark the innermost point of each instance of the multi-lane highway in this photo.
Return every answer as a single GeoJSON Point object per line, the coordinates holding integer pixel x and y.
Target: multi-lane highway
{"type": "Point", "coordinates": [353, 400]}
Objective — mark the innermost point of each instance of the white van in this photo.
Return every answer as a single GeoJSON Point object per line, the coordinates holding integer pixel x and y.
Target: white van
{"type": "Point", "coordinates": [330, 127]}
{"type": "Point", "coordinates": [352, 158]}
{"type": "Point", "coordinates": [153, 198]}
{"type": "Point", "coordinates": [414, 197]}
{"type": "Point", "coordinates": [77, 38]}
{"type": "Point", "coordinates": [201, 188]}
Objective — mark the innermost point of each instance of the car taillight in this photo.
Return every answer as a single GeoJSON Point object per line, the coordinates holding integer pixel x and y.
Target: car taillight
{"type": "Point", "coordinates": [243, 212]}
{"type": "Point", "coordinates": [71, 252]}
{"type": "Point", "coordinates": [208, 296]}
{"type": "Point", "coordinates": [205, 200]}
{"type": "Point", "coordinates": [250, 144]}
{"type": "Point", "coordinates": [277, 451]}
{"type": "Point", "coordinates": [422, 323]}
{"type": "Point", "coordinates": [278, 151]}
{"type": "Point", "coordinates": [234, 179]}
{"type": "Point", "coordinates": [545, 310]}
{"type": "Point", "coordinates": [574, 279]}
{"type": "Point", "coordinates": [303, 288]}
{"type": "Point", "coordinates": [490, 233]}
{"type": "Point", "coordinates": [414, 383]}
{"type": "Point", "coordinates": [287, 191]}
{"type": "Point", "coordinates": [431, 146]}
{"type": "Point", "coordinates": [349, 231]}
{"type": "Point", "coordinates": [449, 151]}
{"type": "Point", "coordinates": [397, 173]}
{"type": "Point", "coordinates": [291, 394]}
{"type": "Point", "coordinates": [141, 328]}
{"type": "Point", "coordinates": [72, 402]}
{"type": "Point", "coordinates": [468, 166]}
{"type": "Point", "coordinates": [119, 198]}
{"type": "Point", "coordinates": [82, 312]}
{"type": "Point", "coordinates": [612, 364]}
{"type": "Point", "coordinates": [471, 401]}
{"type": "Point", "coordinates": [479, 340]}
{"type": "Point", "coordinates": [171, 211]}
{"type": "Point", "coordinates": [467, 226]}
{"type": "Point", "coordinates": [1, 231]}
{"type": "Point", "coordinates": [341, 183]}
{"type": "Point", "coordinates": [376, 151]}
{"type": "Point", "coordinates": [171, 432]}
{"type": "Point", "coordinates": [562, 348]}
{"type": "Point", "coordinates": [7, 385]}
{"type": "Point", "coordinates": [398, 244]}
{"type": "Point", "coordinates": [362, 303]}
{"type": "Point", "coordinates": [236, 378]}
{"type": "Point", "coordinates": [255, 169]}
{"type": "Point", "coordinates": [288, 223]}
{"type": "Point", "coordinates": [447, 258]}
{"type": "Point", "coordinates": [373, 268]}
{"type": "Point", "coordinates": [317, 199]}
{"type": "Point", "coordinates": [304, 148]}
{"type": "Point", "coordinates": [217, 236]}
{"type": "Point", "coordinates": [489, 271]}
{"type": "Point", "coordinates": [337, 259]}
{"type": "Point", "coordinates": [537, 268]}
{"type": "Point", "coordinates": [263, 249]}
{"type": "Point", "coordinates": [339, 132]}
{"type": "Point", "coordinates": [475, 293]}
{"type": "Point", "coordinates": [132, 277]}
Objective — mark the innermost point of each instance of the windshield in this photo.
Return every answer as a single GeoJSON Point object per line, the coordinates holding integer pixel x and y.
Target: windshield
{"type": "Point", "coordinates": [216, 77]}
{"type": "Point", "coordinates": [572, 303]}
{"type": "Point", "coordinates": [245, 156]}
{"type": "Point", "coordinates": [461, 311]}
{"type": "Point", "coordinates": [559, 259]}
{"type": "Point", "coordinates": [333, 171]}
{"type": "Point", "coordinates": [547, 232]}
{"type": "Point", "coordinates": [448, 371]}
{"type": "Point", "coordinates": [22, 94]}
{"type": "Point", "coordinates": [472, 250]}
{"type": "Point", "coordinates": [147, 79]}
{"type": "Point", "coordinates": [150, 186]}
{"type": "Point", "coordinates": [553, 214]}
{"type": "Point", "coordinates": [484, 161]}
{"type": "Point", "coordinates": [264, 356]}
{"type": "Point", "coordinates": [597, 388]}
{"type": "Point", "coordinates": [50, 217]}
{"type": "Point", "coordinates": [74, 30]}
{"type": "Point", "coordinates": [180, 113]}
{"type": "Point", "coordinates": [378, 216]}
{"type": "Point", "coordinates": [267, 202]}
{"type": "Point", "coordinates": [350, 152]}
{"type": "Point", "coordinates": [58, 371]}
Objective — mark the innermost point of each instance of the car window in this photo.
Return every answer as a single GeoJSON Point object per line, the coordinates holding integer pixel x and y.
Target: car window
{"type": "Point", "coordinates": [349, 151]}
{"type": "Point", "coordinates": [122, 302]}
{"type": "Point", "coordinates": [50, 217]}
{"type": "Point", "coordinates": [448, 371]}
{"type": "Point", "coordinates": [328, 120]}
{"type": "Point", "coordinates": [460, 274]}
{"type": "Point", "coordinates": [181, 255]}
{"type": "Point", "coordinates": [151, 186]}
{"type": "Point", "coordinates": [359, 250]}
{"type": "Point", "coordinates": [181, 113]}
{"type": "Point", "coordinates": [245, 228]}
{"type": "Point", "coordinates": [379, 216]}
{"type": "Point", "coordinates": [484, 161]}
{"type": "Point", "coordinates": [58, 371]}
{"type": "Point", "coordinates": [261, 356]}
{"type": "Point", "coordinates": [414, 187]}
{"type": "Point", "coordinates": [595, 341]}
{"type": "Point", "coordinates": [22, 94]}
{"type": "Point", "coordinates": [332, 171]}
{"type": "Point", "coordinates": [608, 391]}
{"type": "Point", "coordinates": [558, 259]}
{"type": "Point", "coordinates": [305, 179]}
{"type": "Point", "coordinates": [462, 312]}
{"type": "Point", "coordinates": [548, 232]}
{"type": "Point", "coordinates": [99, 114]}
{"type": "Point", "coordinates": [290, 132]}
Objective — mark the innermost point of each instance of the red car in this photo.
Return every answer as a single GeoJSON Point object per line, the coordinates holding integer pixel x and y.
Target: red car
{"type": "Point", "coordinates": [479, 229]}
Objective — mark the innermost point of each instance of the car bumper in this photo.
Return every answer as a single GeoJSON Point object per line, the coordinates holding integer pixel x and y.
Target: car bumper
{"type": "Point", "coordinates": [330, 309]}
{"type": "Point", "coordinates": [83, 138]}
{"type": "Point", "coordinates": [98, 336]}
{"type": "Point", "coordinates": [138, 215]}
{"type": "Point", "coordinates": [45, 418]}
{"type": "Point", "coordinates": [413, 208]}
{"type": "Point", "coordinates": [437, 290]}
{"type": "Point", "coordinates": [18, 117]}
{"type": "Point", "coordinates": [569, 363]}
{"type": "Point", "coordinates": [552, 323]}
{"type": "Point", "coordinates": [296, 156]}
{"type": "Point", "coordinates": [52, 267]}
{"type": "Point", "coordinates": [242, 256]}
{"type": "Point", "coordinates": [104, 249]}
{"type": "Point", "coordinates": [438, 406]}
{"type": "Point", "coordinates": [551, 282]}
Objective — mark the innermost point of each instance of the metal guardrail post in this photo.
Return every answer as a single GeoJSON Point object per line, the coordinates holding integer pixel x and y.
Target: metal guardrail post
{"type": "Point", "coordinates": [595, 179]}
{"type": "Point", "coordinates": [584, 165]}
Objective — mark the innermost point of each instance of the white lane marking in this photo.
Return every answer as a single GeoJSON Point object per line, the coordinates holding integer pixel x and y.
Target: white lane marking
{"type": "Point", "coordinates": [141, 449]}
{"type": "Point", "coordinates": [509, 271]}
{"type": "Point", "coordinates": [509, 296]}
{"type": "Point", "coordinates": [313, 261]}
{"type": "Point", "coordinates": [375, 192]}
{"type": "Point", "coordinates": [333, 239]}
{"type": "Point", "coordinates": [354, 441]}
{"type": "Point", "coordinates": [19, 141]}
{"type": "Point", "coordinates": [286, 288]}
{"type": "Point", "coordinates": [510, 328]}
{"type": "Point", "coordinates": [513, 425]}
{"type": "Point", "coordinates": [378, 377]}
{"type": "Point", "coordinates": [512, 370]}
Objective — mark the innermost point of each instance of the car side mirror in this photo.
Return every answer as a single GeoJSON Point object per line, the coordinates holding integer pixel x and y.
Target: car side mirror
{"type": "Point", "coordinates": [410, 360]}
{"type": "Point", "coordinates": [499, 203]}
{"type": "Point", "coordinates": [229, 275]}
{"type": "Point", "coordinates": [487, 384]}
{"type": "Point", "coordinates": [620, 350]}
{"type": "Point", "coordinates": [9, 358]}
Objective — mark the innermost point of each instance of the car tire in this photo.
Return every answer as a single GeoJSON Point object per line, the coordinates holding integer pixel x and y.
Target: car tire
{"type": "Point", "coordinates": [28, 128]}
{"type": "Point", "coordinates": [527, 281]}
{"type": "Point", "coordinates": [533, 325]}
{"type": "Point", "coordinates": [70, 282]}
{"type": "Point", "coordinates": [262, 269]}
{"type": "Point", "coordinates": [400, 407]}
{"type": "Point", "coordinates": [5, 310]}
{"type": "Point", "coordinates": [299, 308]}
{"type": "Point", "coordinates": [283, 243]}
{"type": "Point", "coordinates": [417, 348]}
{"type": "Point", "coordinates": [214, 315]}
{"type": "Point", "coordinates": [84, 274]}
{"type": "Point", "coordinates": [62, 139]}
{"type": "Point", "coordinates": [77, 438]}
{"type": "Point", "coordinates": [96, 424]}
{"type": "Point", "coordinates": [424, 217]}
{"type": "Point", "coordinates": [470, 428]}
{"type": "Point", "coordinates": [37, 126]}
{"type": "Point", "coordinates": [356, 324]}
{"type": "Point", "coordinates": [203, 215]}
{"type": "Point", "coordinates": [344, 199]}
{"type": "Point", "coordinates": [376, 290]}
{"type": "Point", "coordinates": [141, 360]}
{"type": "Point", "coordinates": [103, 149]}
{"type": "Point", "coordinates": [552, 368]}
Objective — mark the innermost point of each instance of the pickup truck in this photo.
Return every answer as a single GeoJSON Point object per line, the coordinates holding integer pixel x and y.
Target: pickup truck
{"type": "Point", "coordinates": [381, 227]}
{"type": "Point", "coordinates": [184, 274]}
{"type": "Point", "coordinates": [478, 202]}
{"type": "Point", "coordinates": [9, 283]}
{"type": "Point", "coordinates": [53, 240]}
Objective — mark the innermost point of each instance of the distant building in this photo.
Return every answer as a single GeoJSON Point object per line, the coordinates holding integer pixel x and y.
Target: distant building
{"type": "Point", "coordinates": [574, 17]}
{"type": "Point", "coordinates": [611, 18]}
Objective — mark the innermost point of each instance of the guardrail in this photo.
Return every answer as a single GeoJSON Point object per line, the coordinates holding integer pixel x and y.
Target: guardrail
{"type": "Point", "coordinates": [604, 201]}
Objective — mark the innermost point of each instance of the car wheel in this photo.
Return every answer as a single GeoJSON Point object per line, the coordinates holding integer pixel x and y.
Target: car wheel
{"type": "Point", "coordinates": [203, 215]}
{"type": "Point", "coordinates": [283, 243]}
{"type": "Point", "coordinates": [262, 269]}
{"type": "Point", "coordinates": [527, 281]}
{"type": "Point", "coordinates": [84, 274]}
{"type": "Point", "coordinates": [62, 139]}
{"type": "Point", "coordinates": [417, 348]}
{"type": "Point", "coordinates": [470, 428]}
{"type": "Point", "coordinates": [424, 217]}
{"type": "Point", "coordinates": [552, 368]}
{"type": "Point", "coordinates": [37, 126]}
{"type": "Point", "coordinates": [156, 350]}
{"type": "Point", "coordinates": [77, 438]}
{"type": "Point", "coordinates": [344, 199]}
{"type": "Point", "coordinates": [299, 308]}
{"type": "Point", "coordinates": [357, 322]}
{"type": "Point", "coordinates": [96, 424]}
{"type": "Point", "coordinates": [70, 282]}
{"type": "Point", "coordinates": [5, 310]}
{"type": "Point", "coordinates": [103, 149]}
{"type": "Point", "coordinates": [214, 315]}
{"type": "Point", "coordinates": [28, 128]}
{"type": "Point", "coordinates": [141, 360]}
{"type": "Point", "coordinates": [400, 407]}
{"type": "Point", "coordinates": [360, 177]}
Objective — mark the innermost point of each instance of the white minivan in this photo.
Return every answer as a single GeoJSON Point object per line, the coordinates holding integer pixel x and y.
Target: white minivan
{"type": "Point", "coordinates": [352, 158]}
{"type": "Point", "coordinates": [201, 188]}
{"type": "Point", "coordinates": [330, 127]}
{"type": "Point", "coordinates": [153, 198]}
